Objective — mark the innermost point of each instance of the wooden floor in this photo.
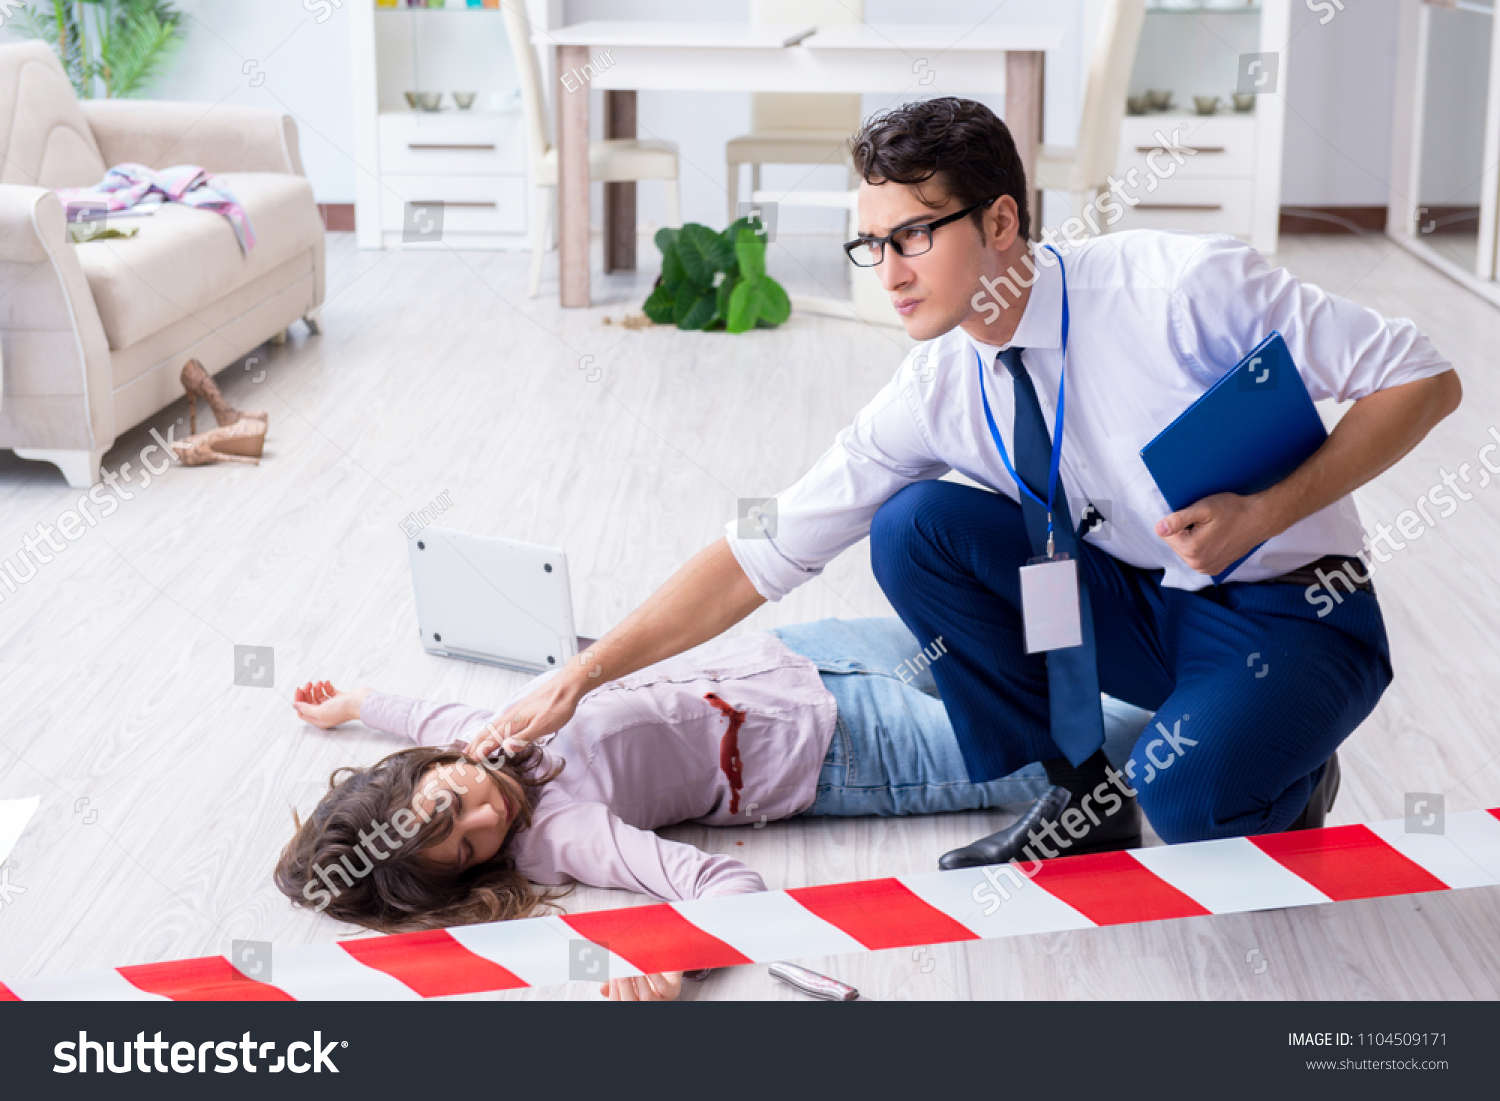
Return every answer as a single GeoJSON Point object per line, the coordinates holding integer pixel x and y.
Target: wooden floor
{"type": "Point", "coordinates": [167, 791]}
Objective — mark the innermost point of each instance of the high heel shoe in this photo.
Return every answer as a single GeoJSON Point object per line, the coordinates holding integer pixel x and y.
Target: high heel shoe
{"type": "Point", "coordinates": [200, 384]}
{"type": "Point", "coordinates": [240, 442]}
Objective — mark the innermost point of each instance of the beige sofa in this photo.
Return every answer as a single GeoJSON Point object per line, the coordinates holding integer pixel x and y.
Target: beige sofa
{"type": "Point", "coordinates": [93, 337]}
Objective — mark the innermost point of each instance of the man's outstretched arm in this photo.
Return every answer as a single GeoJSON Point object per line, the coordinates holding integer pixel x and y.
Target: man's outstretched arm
{"type": "Point", "coordinates": [709, 594]}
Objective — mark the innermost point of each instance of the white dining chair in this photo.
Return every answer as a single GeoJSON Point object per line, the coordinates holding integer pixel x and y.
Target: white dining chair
{"type": "Point", "coordinates": [617, 160]}
{"type": "Point", "coordinates": [1083, 170]}
{"type": "Point", "coordinates": [795, 127]}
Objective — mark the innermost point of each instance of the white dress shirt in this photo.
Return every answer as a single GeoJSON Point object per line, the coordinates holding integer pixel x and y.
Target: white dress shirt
{"type": "Point", "coordinates": [1156, 318]}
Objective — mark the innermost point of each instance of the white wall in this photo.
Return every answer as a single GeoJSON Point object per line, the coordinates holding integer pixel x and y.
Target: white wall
{"type": "Point", "coordinates": [295, 65]}
{"type": "Point", "coordinates": [1339, 90]}
{"type": "Point", "coordinates": [1458, 65]}
{"type": "Point", "coordinates": [1340, 97]}
{"type": "Point", "coordinates": [302, 67]}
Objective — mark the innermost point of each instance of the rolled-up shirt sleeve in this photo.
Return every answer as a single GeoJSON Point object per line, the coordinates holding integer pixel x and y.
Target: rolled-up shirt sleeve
{"type": "Point", "coordinates": [591, 844]}
{"type": "Point", "coordinates": [1228, 299]}
{"type": "Point", "coordinates": [830, 508]}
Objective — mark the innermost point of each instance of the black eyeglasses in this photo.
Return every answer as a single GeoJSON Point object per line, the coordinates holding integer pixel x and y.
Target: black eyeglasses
{"type": "Point", "coordinates": [911, 240]}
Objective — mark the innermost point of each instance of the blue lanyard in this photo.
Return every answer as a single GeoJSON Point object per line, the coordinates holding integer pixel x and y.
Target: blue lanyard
{"type": "Point", "coordinates": [1057, 426]}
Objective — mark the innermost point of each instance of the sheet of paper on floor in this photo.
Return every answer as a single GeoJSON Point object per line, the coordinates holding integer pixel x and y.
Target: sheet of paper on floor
{"type": "Point", "coordinates": [14, 814]}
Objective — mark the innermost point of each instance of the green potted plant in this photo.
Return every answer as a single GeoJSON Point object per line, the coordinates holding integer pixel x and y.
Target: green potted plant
{"type": "Point", "coordinates": [713, 280]}
{"type": "Point", "coordinates": [116, 45]}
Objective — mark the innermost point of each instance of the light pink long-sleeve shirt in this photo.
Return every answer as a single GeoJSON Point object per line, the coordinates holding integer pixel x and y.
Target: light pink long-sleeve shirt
{"type": "Point", "coordinates": [649, 750]}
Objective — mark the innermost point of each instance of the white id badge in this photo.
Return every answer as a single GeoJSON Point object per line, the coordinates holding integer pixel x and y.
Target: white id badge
{"type": "Point", "coordinates": [1049, 604]}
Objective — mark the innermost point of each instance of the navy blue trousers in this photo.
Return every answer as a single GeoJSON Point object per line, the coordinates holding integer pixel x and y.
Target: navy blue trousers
{"type": "Point", "coordinates": [1252, 690]}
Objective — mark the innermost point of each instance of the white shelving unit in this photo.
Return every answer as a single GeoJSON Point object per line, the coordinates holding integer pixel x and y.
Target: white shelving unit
{"type": "Point", "coordinates": [1231, 182]}
{"type": "Point", "coordinates": [473, 161]}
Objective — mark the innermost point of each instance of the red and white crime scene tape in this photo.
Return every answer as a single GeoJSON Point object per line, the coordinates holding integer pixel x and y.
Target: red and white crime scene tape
{"type": "Point", "coordinates": [1237, 875]}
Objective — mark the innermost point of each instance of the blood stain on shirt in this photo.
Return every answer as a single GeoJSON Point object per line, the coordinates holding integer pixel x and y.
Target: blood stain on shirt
{"type": "Point", "coordinates": [729, 750]}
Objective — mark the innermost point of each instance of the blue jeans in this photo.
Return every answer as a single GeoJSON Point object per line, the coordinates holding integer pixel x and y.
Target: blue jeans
{"type": "Point", "coordinates": [893, 749]}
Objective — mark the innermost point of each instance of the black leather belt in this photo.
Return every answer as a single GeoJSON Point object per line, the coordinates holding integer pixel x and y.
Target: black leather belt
{"type": "Point", "coordinates": [1357, 574]}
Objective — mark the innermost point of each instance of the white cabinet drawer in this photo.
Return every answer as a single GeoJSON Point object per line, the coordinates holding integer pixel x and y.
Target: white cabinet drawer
{"type": "Point", "coordinates": [1211, 146]}
{"type": "Point", "coordinates": [471, 204]}
{"type": "Point", "coordinates": [449, 142]}
{"type": "Point", "coordinates": [1197, 206]}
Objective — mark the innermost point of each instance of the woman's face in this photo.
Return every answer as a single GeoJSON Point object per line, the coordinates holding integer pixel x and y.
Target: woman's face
{"type": "Point", "coordinates": [482, 813]}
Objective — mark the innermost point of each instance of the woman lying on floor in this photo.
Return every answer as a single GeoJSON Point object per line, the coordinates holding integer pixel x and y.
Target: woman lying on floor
{"type": "Point", "coordinates": [837, 717]}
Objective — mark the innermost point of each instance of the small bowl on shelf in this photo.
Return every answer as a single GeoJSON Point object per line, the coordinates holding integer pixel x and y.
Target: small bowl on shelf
{"type": "Point", "coordinates": [1244, 101]}
{"type": "Point", "coordinates": [1206, 105]}
{"type": "Point", "coordinates": [424, 101]}
{"type": "Point", "coordinates": [1136, 105]}
{"type": "Point", "coordinates": [465, 100]}
{"type": "Point", "coordinates": [1158, 100]}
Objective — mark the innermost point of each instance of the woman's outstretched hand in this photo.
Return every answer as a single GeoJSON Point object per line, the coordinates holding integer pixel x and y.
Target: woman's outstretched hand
{"type": "Point", "coordinates": [547, 709]}
{"type": "Point", "coordinates": [323, 705]}
{"type": "Point", "coordinates": [644, 988]}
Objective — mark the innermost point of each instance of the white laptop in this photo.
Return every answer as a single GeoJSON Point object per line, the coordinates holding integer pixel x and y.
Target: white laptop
{"type": "Point", "coordinates": [493, 600]}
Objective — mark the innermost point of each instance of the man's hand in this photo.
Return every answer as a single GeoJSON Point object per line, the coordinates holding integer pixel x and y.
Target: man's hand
{"type": "Point", "coordinates": [644, 988]}
{"type": "Point", "coordinates": [1373, 434]}
{"type": "Point", "coordinates": [547, 709]}
{"type": "Point", "coordinates": [1210, 535]}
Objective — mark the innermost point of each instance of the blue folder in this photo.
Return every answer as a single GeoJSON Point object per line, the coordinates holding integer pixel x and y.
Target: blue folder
{"type": "Point", "coordinates": [1251, 429]}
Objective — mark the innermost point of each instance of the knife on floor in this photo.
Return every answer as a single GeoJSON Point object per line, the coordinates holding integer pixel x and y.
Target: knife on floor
{"type": "Point", "coordinates": [814, 984]}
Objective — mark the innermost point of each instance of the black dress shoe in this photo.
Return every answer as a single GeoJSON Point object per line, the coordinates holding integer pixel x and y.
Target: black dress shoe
{"type": "Point", "coordinates": [1120, 830]}
{"type": "Point", "coordinates": [1321, 800]}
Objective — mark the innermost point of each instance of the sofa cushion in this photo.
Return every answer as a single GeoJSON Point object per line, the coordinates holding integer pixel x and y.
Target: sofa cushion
{"type": "Point", "coordinates": [44, 139]}
{"type": "Point", "coordinates": [184, 259]}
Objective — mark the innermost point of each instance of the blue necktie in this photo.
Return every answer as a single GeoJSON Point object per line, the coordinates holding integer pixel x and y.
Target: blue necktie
{"type": "Point", "coordinates": [1072, 673]}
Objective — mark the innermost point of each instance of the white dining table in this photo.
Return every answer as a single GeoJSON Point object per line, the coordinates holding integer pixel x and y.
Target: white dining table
{"type": "Point", "coordinates": [918, 60]}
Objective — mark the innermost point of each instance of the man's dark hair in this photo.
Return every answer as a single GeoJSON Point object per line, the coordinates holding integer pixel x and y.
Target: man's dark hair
{"type": "Point", "coordinates": [962, 139]}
